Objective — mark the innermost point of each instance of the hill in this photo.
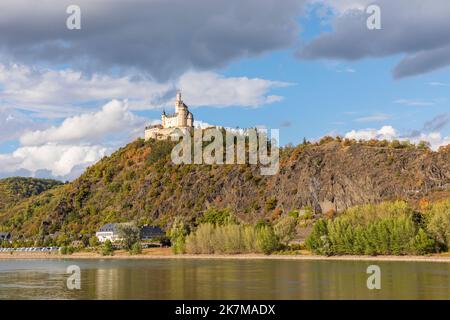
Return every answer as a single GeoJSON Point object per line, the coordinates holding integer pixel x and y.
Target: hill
{"type": "Point", "coordinates": [14, 190]}
{"type": "Point", "coordinates": [139, 182]}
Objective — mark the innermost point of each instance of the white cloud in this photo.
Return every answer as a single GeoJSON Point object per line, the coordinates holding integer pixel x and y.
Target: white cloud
{"type": "Point", "coordinates": [83, 137]}
{"type": "Point", "coordinates": [439, 84]}
{"type": "Point", "coordinates": [340, 6]}
{"type": "Point", "coordinates": [113, 117]}
{"type": "Point", "coordinates": [13, 124]}
{"type": "Point", "coordinates": [374, 117]}
{"type": "Point", "coordinates": [346, 70]}
{"type": "Point", "coordinates": [386, 132]}
{"type": "Point", "coordinates": [414, 102]}
{"type": "Point", "coordinates": [65, 150]}
{"type": "Point", "coordinates": [202, 124]}
{"type": "Point", "coordinates": [60, 93]}
{"type": "Point", "coordinates": [60, 160]}
{"type": "Point", "coordinates": [212, 89]}
{"type": "Point", "coordinates": [389, 133]}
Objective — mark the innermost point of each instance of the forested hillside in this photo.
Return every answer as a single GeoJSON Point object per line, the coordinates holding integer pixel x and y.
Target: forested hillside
{"type": "Point", "coordinates": [14, 190]}
{"type": "Point", "coordinates": [140, 183]}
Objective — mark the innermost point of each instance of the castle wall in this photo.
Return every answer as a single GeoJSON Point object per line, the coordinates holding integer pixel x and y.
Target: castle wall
{"type": "Point", "coordinates": [182, 114]}
{"type": "Point", "coordinates": [171, 122]}
{"type": "Point", "coordinates": [163, 134]}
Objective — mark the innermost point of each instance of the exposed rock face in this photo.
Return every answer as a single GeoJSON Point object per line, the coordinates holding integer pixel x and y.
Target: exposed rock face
{"type": "Point", "coordinates": [336, 177]}
{"type": "Point", "coordinates": [140, 182]}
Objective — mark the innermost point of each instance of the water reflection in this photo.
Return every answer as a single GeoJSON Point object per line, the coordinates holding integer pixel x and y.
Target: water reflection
{"type": "Point", "coordinates": [222, 279]}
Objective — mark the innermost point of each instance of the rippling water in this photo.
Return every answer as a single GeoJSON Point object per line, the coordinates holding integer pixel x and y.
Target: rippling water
{"type": "Point", "coordinates": [222, 279]}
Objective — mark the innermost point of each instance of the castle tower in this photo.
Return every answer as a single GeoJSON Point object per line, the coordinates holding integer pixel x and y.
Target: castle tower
{"type": "Point", "coordinates": [190, 120]}
{"type": "Point", "coordinates": [178, 101]}
{"type": "Point", "coordinates": [163, 119]}
{"type": "Point", "coordinates": [181, 111]}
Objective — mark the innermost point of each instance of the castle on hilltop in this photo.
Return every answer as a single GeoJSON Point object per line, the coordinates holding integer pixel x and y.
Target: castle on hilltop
{"type": "Point", "coordinates": [182, 119]}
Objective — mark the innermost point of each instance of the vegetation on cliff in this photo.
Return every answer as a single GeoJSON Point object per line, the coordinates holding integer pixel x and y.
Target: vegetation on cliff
{"type": "Point", "coordinates": [14, 190]}
{"type": "Point", "coordinates": [140, 184]}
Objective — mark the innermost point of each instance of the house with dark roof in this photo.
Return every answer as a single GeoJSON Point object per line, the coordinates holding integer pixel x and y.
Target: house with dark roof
{"type": "Point", "coordinates": [5, 236]}
{"type": "Point", "coordinates": [150, 232]}
{"type": "Point", "coordinates": [109, 231]}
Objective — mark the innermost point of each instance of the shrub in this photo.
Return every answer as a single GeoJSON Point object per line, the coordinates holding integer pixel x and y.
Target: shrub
{"type": "Point", "coordinates": [306, 213]}
{"type": "Point", "coordinates": [67, 250]}
{"type": "Point", "coordinates": [107, 248]}
{"type": "Point", "coordinates": [285, 229]}
{"type": "Point", "coordinates": [317, 241]}
{"type": "Point", "coordinates": [93, 241]}
{"type": "Point", "coordinates": [249, 239]}
{"type": "Point", "coordinates": [231, 239]}
{"type": "Point", "coordinates": [266, 240]}
{"type": "Point", "coordinates": [423, 243]}
{"type": "Point", "coordinates": [438, 222]}
{"type": "Point", "coordinates": [424, 145]}
{"type": "Point", "coordinates": [371, 230]}
{"type": "Point", "coordinates": [271, 203]}
{"type": "Point", "coordinates": [396, 144]}
{"type": "Point", "coordinates": [216, 216]}
{"type": "Point", "coordinates": [202, 240]}
{"type": "Point", "coordinates": [136, 248]}
{"type": "Point", "coordinates": [293, 214]}
{"type": "Point", "coordinates": [159, 150]}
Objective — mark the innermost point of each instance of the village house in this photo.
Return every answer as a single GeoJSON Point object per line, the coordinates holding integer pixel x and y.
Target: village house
{"type": "Point", "coordinates": [150, 233]}
{"type": "Point", "coordinates": [5, 236]}
{"type": "Point", "coordinates": [110, 231]}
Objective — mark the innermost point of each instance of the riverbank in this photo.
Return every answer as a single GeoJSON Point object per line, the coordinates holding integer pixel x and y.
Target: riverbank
{"type": "Point", "coordinates": [165, 253]}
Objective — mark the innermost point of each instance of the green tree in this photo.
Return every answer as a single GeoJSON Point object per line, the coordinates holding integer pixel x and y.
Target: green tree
{"type": "Point", "coordinates": [177, 236]}
{"type": "Point", "coordinates": [107, 248]}
{"type": "Point", "coordinates": [423, 243]}
{"type": "Point", "coordinates": [439, 223]}
{"type": "Point", "coordinates": [129, 234]}
{"type": "Point", "coordinates": [216, 216]}
{"type": "Point", "coordinates": [314, 242]}
{"type": "Point", "coordinates": [136, 248]}
{"type": "Point", "coordinates": [93, 242]}
{"type": "Point", "coordinates": [67, 250]}
{"type": "Point", "coordinates": [266, 240]}
{"type": "Point", "coordinates": [285, 229]}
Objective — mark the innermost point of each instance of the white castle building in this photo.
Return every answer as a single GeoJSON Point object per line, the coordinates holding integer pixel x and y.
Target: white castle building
{"type": "Point", "coordinates": [181, 119]}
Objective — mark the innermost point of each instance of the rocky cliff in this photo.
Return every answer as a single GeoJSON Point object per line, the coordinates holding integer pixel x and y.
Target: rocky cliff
{"type": "Point", "coordinates": [139, 182]}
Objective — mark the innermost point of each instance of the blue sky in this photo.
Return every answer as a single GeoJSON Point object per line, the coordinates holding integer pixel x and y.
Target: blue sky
{"type": "Point", "coordinates": [309, 72]}
{"type": "Point", "coordinates": [333, 96]}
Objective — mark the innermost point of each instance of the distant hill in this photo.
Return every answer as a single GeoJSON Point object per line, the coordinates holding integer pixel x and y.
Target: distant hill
{"type": "Point", "coordinates": [139, 182]}
{"type": "Point", "coordinates": [14, 190]}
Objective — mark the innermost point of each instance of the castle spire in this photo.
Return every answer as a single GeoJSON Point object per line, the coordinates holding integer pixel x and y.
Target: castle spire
{"type": "Point", "coordinates": [178, 102]}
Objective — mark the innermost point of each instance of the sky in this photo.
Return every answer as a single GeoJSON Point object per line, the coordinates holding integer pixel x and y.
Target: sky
{"type": "Point", "coordinates": [309, 68]}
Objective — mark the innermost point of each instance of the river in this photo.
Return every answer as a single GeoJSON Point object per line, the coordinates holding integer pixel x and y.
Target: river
{"type": "Point", "coordinates": [222, 279]}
